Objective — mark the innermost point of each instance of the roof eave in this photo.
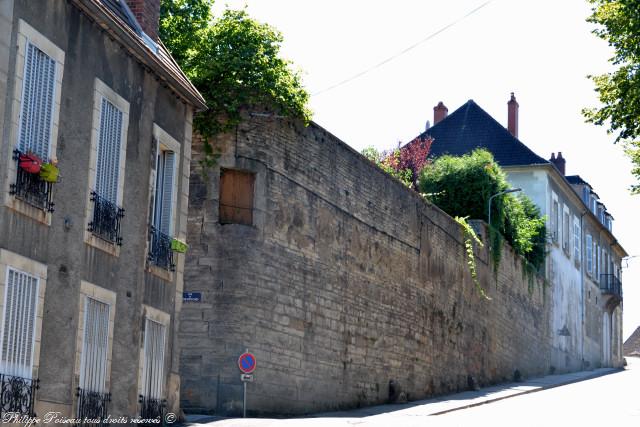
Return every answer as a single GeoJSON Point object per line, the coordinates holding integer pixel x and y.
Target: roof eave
{"type": "Point", "coordinates": [179, 84]}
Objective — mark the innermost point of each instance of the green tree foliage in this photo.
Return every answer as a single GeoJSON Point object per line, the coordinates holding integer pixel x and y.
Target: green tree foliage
{"type": "Point", "coordinates": [462, 186]}
{"type": "Point", "coordinates": [182, 27]}
{"type": "Point", "coordinates": [234, 61]}
{"type": "Point", "coordinates": [618, 22]}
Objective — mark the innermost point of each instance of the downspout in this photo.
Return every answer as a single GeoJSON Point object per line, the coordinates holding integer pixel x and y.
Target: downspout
{"type": "Point", "coordinates": [582, 303]}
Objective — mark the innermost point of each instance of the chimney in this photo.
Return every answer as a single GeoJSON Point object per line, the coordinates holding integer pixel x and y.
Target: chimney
{"type": "Point", "coordinates": [559, 162]}
{"type": "Point", "coordinates": [513, 115]}
{"type": "Point", "coordinates": [147, 12]}
{"type": "Point", "coordinates": [439, 113]}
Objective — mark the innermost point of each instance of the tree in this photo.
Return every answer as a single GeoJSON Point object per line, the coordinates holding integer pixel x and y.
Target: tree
{"type": "Point", "coordinates": [462, 185]}
{"type": "Point", "coordinates": [618, 23]}
{"type": "Point", "coordinates": [182, 27]}
{"type": "Point", "coordinates": [235, 63]}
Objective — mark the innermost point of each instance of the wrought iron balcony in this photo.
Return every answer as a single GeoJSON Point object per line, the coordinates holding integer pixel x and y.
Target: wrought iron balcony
{"type": "Point", "coordinates": [152, 409]}
{"type": "Point", "coordinates": [106, 220]}
{"type": "Point", "coordinates": [610, 285]}
{"type": "Point", "coordinates": [93, 407]}
{"type": "Point", "coordinates": [160, 252]}
{"type": "Point", "coordinates": [17, 395]}
{"type": "Point", "coordinates": [30, 188]}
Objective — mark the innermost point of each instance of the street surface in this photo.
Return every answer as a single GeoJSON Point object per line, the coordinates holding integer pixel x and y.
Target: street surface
{"type": "Point", "coordinates": [612, 399]}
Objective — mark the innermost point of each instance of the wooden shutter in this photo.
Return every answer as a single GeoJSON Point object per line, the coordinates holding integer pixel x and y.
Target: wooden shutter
{"type": "Point", "coordinates": [37, 102]}
{"type": "Point", "coordinates": [236, 197]}
{"type": "Point", "coordinates": [20, 308]}
{"type": "Point", "coordinates": [108, 156]}
{"type": "Point", "coordinates": [95, 346]}
{"type": "Point", "coordinates": [153, 368]}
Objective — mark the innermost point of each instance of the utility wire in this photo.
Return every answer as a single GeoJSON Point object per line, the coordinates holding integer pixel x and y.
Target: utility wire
{"type": "Point", "coordinates": [413, 46]}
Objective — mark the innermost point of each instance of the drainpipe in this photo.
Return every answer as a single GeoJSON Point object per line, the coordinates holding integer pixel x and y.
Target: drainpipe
{"type": "Point", "coordinates": [582, 303]}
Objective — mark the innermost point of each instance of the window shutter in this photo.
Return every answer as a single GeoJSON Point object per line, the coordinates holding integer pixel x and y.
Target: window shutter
{"type": "Point", "coordinates": [95, 346]}
{"type": "Point", "coordinates": [108, 158]}
{"type": "Point", "coordinates": [21, 298]}
{"type": "Point", "coordinates": [236, 197]}
{"type": "Point", "coordinates": [37, 102]}
{"type": "Point", "coordinates": [168, 174]}
{"type": "Point", "coordinates": [153, 369]}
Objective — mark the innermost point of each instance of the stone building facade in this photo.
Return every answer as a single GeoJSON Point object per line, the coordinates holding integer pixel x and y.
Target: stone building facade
{"type": "Point", "coordinates": [89, 286]}
{"type": "Point", "coordinates": [348, 287]}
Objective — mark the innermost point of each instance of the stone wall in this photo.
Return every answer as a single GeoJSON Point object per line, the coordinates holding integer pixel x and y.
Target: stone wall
{"type": "Point", "coordinates": [349, 288]}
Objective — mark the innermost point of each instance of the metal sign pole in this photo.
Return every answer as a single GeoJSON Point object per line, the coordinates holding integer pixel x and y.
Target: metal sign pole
{"type": "Point", "coordinates": [244, 400]}
{"type": "Point", "coordinates": [244, 397]}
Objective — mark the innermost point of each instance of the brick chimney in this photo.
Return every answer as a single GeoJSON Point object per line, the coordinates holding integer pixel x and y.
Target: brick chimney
{"type": "Point", "coordinates": [513, 115]}
{"type": "Point", "coordinates": [147, 12]}
{"type": "Point", "coordinates": [559, 162]}
{"type": "Point", "coordinates": [439, 113]}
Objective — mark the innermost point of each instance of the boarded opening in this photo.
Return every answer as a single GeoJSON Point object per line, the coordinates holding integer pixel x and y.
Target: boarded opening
{"type": "Point", "coordinates": [236, 197]}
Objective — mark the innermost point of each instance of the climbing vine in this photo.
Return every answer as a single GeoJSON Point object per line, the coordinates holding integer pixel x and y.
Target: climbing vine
{"type": "Point", "coordinates": [470, 237]}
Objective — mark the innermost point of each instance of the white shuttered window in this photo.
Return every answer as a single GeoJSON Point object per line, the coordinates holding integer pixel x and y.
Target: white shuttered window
{"type": "Point", "coordinates": [165, 177]}
{"type": "Point", "coordinates": [18, 327]}
{"type": "Point", "coordinates": [108, 156]}
{"type": "Point", "coordinates": [37, 102]}
{"type": "Point", "coordinates": [153, 368]}
{"type": "Point", "coordinates": [95, 346]}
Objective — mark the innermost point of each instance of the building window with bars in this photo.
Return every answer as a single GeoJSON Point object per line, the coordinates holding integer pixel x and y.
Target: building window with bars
{"type": "Point", "coordinates": [152, 402]}
{"type": "Point", "coordinates": [107, 214]}
{"type": "Point", "coordinates": [236, 197]}
{"type": "Point", "coordinates": [35, 126]}
{"type": "Point", "coordinates": [18, 342]}
{"type": "Point", "coordinates": [93, 394]}
{"type": "Point", "coordinates": [164, 200]}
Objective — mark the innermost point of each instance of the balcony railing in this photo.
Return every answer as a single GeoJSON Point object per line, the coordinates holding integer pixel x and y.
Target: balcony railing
{"type": "Point", "coordinates": [610, 285]}
{"type": "Point", "coordinates": [17, 395]}
{"type": "Point", "coordinates": [160, 252]}
{"type": "Point", "coordinates": [106, 220]}
{"type": "Point", "coordinates": [152, 409]}
{"type": "Point", "coordinates": [93, 407]}
{"type": "Point", "coordinates": [30, 188]}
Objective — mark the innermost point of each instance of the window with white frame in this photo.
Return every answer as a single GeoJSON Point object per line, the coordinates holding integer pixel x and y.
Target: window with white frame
{"type": "Point", "coordinates": [589, 247]}
{"type": "Point", "coordinates": [95, 346]}
{"type": "Point", "coordinates": [153, 360]}
{"type": "Point", "coordinates": [19, 320]}
{"type": "Point", "coordinates": [566, 232]}
{"type": "Point", "coordinates": [576, 239]}
{"type": "Point", "coordinates": [106, 179]}
{"type": "Point", "coordinates": [108, 156]}
{"type": "Point", "coordinates": [555, 226]}
{"type": "Point", "coordinates": [37, 109]}
{"type": "Point", "coordinates": [164, 192]}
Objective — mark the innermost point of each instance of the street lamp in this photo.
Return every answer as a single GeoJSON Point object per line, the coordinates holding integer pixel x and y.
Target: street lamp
{"type": "Point", "coordinates": [511, 190]}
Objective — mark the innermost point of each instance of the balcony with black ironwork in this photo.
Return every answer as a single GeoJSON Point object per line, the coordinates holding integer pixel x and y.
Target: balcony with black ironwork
{"type": "Point", "coordinates": [610, 285]}
{"type": "Point", "coordinates": [106, 220]}
{"type": "Point", "coordinates": [152, 409]}
{"type": "Point", "coordinates": [160, 252]}
{"type": "Point", "coordinates": [17, 395]}
{"type": "Point", "coordinates": [31, 188]}
{"type": "Point", "coordinates": [93, 408]}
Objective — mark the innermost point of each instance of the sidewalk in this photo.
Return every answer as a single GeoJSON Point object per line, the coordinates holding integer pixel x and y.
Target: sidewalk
{"type": "Point", "coordinates": [439, 405]}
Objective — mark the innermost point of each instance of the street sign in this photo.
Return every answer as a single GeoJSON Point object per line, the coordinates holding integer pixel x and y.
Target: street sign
{"type": "Point", "coordinates": [247, 362]}
{"type": "Point", "coordinates": [246, 378]}
{"type": "Point", "coordinates": [192, 296]}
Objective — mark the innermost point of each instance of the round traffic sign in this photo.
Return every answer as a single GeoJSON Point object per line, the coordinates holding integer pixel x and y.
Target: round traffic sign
{"type": "Point", "coordinates": [247, 363]}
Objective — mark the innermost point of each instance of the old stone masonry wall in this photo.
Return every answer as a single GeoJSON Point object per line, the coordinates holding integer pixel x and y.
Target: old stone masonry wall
{"type": "Point", "coordinates": [348, 288]}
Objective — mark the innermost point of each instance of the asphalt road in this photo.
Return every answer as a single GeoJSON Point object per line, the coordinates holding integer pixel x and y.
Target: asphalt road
{"type": "Point", "coordinates": [610, 400]}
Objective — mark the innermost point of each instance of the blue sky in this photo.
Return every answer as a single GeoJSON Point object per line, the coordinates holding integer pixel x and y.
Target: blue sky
{"type": "Point", "coordinates": [540, 50]}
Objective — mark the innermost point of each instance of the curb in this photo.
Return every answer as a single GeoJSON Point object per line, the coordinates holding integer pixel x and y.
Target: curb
{"type": "Point", "coordinates": [544, 387]}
